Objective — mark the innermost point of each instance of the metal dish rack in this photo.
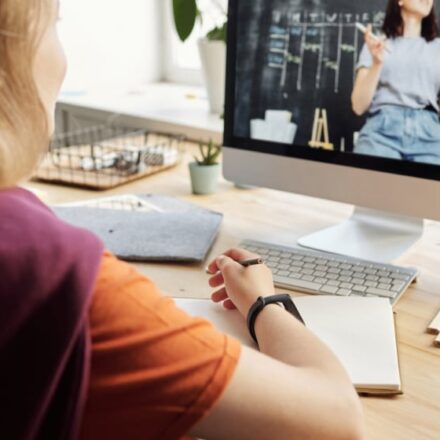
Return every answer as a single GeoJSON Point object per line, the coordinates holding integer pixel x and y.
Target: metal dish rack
{"type": "Point", "coordinates": [104, 157]}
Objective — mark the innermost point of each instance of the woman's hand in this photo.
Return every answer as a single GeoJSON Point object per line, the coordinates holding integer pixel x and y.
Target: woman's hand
{"type": "Point", "coordinates": [239, 287]}
{"type": "Point", "coordinates": [376, 46]}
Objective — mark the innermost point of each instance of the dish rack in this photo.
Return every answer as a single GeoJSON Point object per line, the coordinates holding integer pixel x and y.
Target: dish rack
{"type": "Point", "coordinates": [103, 157]}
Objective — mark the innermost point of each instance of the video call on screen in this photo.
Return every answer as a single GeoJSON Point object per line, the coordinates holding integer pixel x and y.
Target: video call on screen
{"type": "Point", "coordinates": [296, 67]}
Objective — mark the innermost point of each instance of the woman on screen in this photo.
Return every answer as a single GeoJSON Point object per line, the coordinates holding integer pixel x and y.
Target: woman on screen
{"type": "Point", "coordinates": [398, 83]}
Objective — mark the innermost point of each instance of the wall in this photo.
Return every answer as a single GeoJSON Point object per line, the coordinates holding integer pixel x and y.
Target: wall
{"type": "Point", "coordinates": [111, 44]}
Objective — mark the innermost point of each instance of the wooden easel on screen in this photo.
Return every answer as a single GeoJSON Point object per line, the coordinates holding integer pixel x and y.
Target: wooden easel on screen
{"type": "Point", "coordinates": [320, 134]}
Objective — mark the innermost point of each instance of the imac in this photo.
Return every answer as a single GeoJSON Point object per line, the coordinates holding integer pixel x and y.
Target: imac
{"type": "Point", "coordinates": [297, 118]}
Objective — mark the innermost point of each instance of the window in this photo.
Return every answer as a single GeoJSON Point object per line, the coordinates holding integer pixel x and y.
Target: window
{"type": "Point", "coordinates": [110, 45]}
{"type": "Point", "coordinates": [182, 61]}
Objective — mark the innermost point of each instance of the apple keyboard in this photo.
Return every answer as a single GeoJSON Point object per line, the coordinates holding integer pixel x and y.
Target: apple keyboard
{"type": "Point", "coordinates": [330, 274]}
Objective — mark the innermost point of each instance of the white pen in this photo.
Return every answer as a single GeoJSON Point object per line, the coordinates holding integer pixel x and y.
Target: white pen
{"type": "Point", "coordinates": [364, 30]}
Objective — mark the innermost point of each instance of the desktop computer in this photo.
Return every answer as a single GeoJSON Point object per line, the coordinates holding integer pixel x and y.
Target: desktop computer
{"type": "Point", "coordinates": [316, 107]}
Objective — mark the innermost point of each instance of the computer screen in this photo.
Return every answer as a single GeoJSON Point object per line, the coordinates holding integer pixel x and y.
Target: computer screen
{"type": "Point", "coordinates": [339, 99]}
{"type": "Point", "coordinates": [303, 82]}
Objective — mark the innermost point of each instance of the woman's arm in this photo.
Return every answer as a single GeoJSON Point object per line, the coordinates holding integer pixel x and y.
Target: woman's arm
{"type": "Point", "coordinates": [294, 388]}
{"type": "Point", "coordinates": [367, 78]}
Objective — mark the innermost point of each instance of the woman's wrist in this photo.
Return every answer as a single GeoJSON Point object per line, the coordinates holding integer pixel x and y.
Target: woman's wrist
{"type": "Point", "coordinates": [377, 63]}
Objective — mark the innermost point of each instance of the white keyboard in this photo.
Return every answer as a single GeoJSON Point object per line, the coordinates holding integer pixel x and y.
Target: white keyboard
{"type": "Point", "coordinates": [329, 274]}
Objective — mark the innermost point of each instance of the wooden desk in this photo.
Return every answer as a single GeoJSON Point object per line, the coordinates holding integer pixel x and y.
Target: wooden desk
{"type": "Point", "coordinates": [279, 217]}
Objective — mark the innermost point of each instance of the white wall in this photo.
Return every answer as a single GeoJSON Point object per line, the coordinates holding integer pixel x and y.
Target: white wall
{"type": "Point", "coordinates": [111, 44]}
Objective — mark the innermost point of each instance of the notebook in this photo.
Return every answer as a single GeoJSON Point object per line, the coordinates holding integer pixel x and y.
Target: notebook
{"type": "Point", "coordinates": [360, 331]}
{"type": "Point", "coordinates": [147, 227]}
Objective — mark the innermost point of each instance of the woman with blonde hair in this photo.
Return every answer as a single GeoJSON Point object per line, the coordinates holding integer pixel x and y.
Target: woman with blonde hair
{"type": "Point", "coordinates": [90, 349]}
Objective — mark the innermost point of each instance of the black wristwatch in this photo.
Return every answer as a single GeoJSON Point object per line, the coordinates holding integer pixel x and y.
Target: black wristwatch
{"type": "Point", "coordinates": [262, 302]}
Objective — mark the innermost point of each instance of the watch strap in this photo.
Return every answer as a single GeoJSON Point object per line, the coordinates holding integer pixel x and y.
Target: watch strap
{"type": "Point", "coordinates": [262, 302]}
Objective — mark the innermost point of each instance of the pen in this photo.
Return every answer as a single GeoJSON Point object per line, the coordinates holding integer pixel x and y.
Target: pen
{"type": "Point", "coordinates": [244, 263]}
{"type": "Point", "coordinates": [364, 30]}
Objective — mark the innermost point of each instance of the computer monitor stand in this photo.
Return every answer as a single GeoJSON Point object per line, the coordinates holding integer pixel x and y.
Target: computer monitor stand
{"type": "Point", "coordinates": [368, 234]}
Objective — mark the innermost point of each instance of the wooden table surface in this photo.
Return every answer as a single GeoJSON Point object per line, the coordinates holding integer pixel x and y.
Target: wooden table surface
{"type": "Point", "coordinates": [279, 217]}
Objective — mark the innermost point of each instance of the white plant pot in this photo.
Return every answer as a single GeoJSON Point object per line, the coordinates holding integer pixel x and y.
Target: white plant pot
{"type": "Point", "coordinates": [213, 58]}
{"type": "Point", "coordinates": [204, 178]}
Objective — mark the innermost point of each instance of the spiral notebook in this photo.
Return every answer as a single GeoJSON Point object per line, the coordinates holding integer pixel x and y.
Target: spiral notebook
{"type": "Point", "coordinates": [360, 331]}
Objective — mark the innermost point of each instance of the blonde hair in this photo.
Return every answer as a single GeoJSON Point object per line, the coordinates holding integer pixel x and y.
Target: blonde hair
{"type": "Point", "coordinates": [23, 119]}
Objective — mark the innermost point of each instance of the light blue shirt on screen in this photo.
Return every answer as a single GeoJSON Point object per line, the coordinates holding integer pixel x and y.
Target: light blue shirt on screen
{"type": "Point", "coordinates": [410, 74]}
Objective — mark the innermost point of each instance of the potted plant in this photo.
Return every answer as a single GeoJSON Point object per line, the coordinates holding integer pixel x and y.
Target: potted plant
{"type": "Point", "coordinates": [205, 170]}
{"type": "Point", "coordinates": [212, 47]}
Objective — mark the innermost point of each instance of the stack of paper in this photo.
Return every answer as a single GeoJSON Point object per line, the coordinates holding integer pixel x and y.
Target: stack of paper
{"type": "Point", "coordinates": [360, 331]}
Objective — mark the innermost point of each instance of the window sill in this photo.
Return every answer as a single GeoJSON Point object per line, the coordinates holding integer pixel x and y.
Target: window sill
{"type": "Point", "coordinates": [161, 107]}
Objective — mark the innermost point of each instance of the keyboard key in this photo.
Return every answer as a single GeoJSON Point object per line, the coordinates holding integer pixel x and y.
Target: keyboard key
{"type": "Point", "coordinates": [346, 273]}
{"type": "Point", "coordinates": [358, 269]}
{"type": "Point", "coordinates": [385, 280]}
{"type": "Point", "coordinates": [370, 271]}
{"type": "Point", "coordinates": [371, 284]}
{"type": "Point", "coordinates": [383, 273]}
{"type": "Point", "coordinates": [300, 284]}
{"type": "Point", "coordinates": [372, 278]}
{"type": "Point", "coordinates": [361, 289]}
{"type": "Point", "coordinates": [381, 292]}
{"type": "Point", "coordinates": [384, 286]}
{"type": "Point", "coordinates": [333, 264]}
{"type": "Point", "coordinates": [329, 289]}
{"type": "Point", "coordinates": [276, 259]}
{"type": "Point", "coordinates": [402, 277]}
{"type": "Point", "coordinates": [321, 268]}
{"type": "Point", "coordinates": [283, 273]}
{"type": "Point", "coordinates": [346, 266]}
{"type": "Point", "coordinates": [320, 274]}
{"type": "Point", "coordinates": [306, 271]}
{"type": "Point", "coordinates": [334, 270]}
{"type": "Point", "coordinates": [333, 283]}
{"type": "Point", "coordinates": [275, 253]}
{"type": "Point", "coordinates": [332, 276]}
{"type": "Point", "coordinates": [357, 281]}
{"type": "Point", "coordinates": [345, 279]}
{"type": "Point", "coordinates": [398, 287]}
{"type": "Point", "coordinates": [308, 278]}
{"type": "Point", "coordinates": [309, 259]}
{"type": "Point", "coordinates": [346, 286]}
{"type": "Point", "coordinates": [343, 292]}
{"type": "Point", "coordinates": [296, 263]}
{"type": "Point", "coordinates": [309, 266]}
{"type": "Point", "coordinates": [283, 266]}
{"type": "Point", "coordinates": [295, 275]}
{"type": "Point", "coordinates": [320, 280]}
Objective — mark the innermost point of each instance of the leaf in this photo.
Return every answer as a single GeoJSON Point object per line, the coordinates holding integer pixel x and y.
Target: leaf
{"type": "Point", "coordinates": [185, 14]}
{"type": "Point", "coordinates": [218, 33]}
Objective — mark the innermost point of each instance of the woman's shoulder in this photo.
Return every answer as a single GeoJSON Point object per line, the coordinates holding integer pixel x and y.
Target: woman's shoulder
{"type": "Point", "coordinates": [30, 231]}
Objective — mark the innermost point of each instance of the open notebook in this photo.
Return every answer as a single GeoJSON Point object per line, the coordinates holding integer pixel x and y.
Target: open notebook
{"type": "Point", "coordinates": [360, 331]}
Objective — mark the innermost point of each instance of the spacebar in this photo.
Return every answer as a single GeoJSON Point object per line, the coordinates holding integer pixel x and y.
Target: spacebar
{"type": "Point", "coordinates": [292, 283]}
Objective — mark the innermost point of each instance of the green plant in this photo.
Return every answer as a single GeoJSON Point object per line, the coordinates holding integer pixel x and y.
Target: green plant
{"type": "Point", "coordinates": [209, 154]}
{"type": "Point", "coordinates": [186, 13]}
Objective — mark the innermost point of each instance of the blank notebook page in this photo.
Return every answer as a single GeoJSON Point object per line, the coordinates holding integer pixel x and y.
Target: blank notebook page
{"type": "Point", "coordinates": [360, 331]}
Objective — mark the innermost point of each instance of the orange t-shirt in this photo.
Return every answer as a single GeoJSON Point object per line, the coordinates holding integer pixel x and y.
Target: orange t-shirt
{"type": "Point", "coordinates": [155, 371]}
